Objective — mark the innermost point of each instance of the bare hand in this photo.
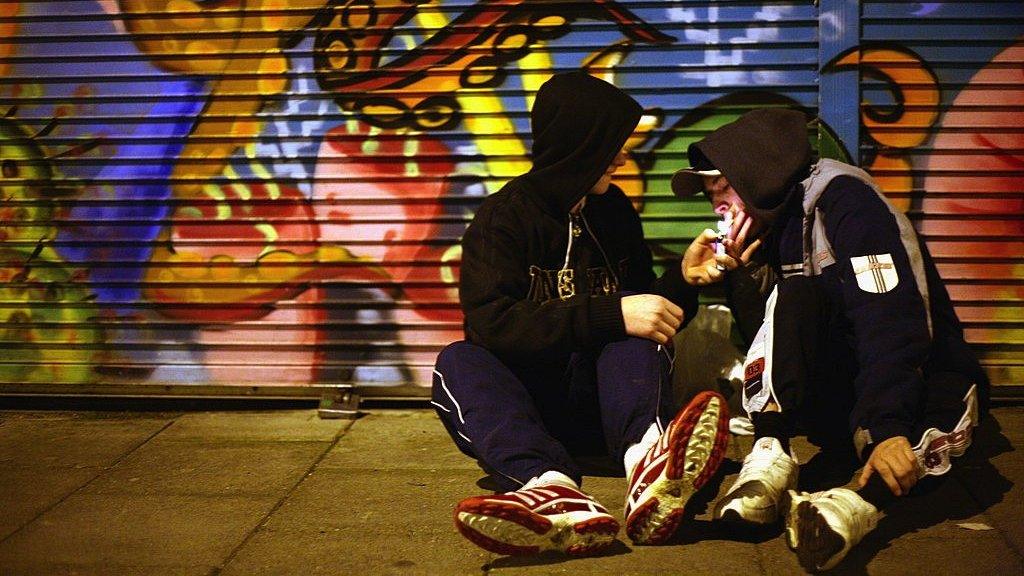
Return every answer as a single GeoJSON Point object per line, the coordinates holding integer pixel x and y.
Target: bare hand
{"type": "Point", "coordinates": [651, 316]}
{"type": "Point", "coordinates": [736, 242]}
{"type": "Point", "coordinates": [700, 264]}
{"type": "Point", "coordinates": [895, 462]}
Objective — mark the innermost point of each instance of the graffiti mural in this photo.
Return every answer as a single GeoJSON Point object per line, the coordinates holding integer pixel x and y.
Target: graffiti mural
{"type": "Point", "coordinates": [271, 192]}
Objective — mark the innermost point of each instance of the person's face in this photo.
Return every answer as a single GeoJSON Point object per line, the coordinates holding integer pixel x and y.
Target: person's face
{"type": "Point", "coordinates": [601, 186]}
{"type": "Point", "coordinates": [724, 198]}
{"type": "Point", "coordinates": [722, 195]}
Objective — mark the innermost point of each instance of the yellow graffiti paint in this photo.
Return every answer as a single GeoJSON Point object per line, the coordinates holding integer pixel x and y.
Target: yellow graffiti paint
{"type": "Point", "coordinates": [452, 254]}
{"type": "Point", "coordinates": [273, 19]}
{"type": "Point", "coordinates": [45, 314]}
{"type": "Point", "coordinates": [486, 118]}
{"type": "Point", "coordinates": [269, 233]}
{"type": "Point", "coordinates": [276, 275]}
{"type": "Point", "coordinates": [214, 191]}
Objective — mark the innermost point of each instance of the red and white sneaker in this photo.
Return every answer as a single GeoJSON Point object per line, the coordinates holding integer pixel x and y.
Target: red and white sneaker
{"type": "Point", "coordinates": [538, 518]}
{"type": "Point", "coordinates": [686, 455]}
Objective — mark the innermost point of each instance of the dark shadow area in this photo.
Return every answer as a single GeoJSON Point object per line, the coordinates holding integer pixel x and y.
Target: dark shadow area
{"type": "Point", "coordinates": [831, 467]}
{"type": "Point", "coordinates": [971, 487]}
{"type": "Point", "coordinates": [487, 483]}
{"type": "Point", "coordinates": [600, 466]}
{"type": "Point", "coordinates": [693, 530]}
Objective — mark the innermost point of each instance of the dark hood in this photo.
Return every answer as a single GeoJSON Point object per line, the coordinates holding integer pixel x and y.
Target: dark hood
{"type": "Point", "coordinates": [579, 124]}
{"type": "Point", "coordinates": [763, 154]}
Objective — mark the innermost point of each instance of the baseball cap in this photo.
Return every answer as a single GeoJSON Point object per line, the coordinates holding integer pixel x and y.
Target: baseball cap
{"type": "Point", "coordinates": [689, 181]}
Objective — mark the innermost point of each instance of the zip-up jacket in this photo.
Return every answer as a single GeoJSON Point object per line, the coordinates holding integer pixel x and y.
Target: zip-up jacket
{"type": "Point", "coordinates": [896, 312]}
{"type": "Point", "coordinates": [538, 282]}
{"type": "Point", "coordinates": [829, 221]}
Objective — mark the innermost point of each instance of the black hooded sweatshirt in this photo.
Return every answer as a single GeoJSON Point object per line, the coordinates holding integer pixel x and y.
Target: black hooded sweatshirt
{"type": "Point", "coordinates": [538, 283]}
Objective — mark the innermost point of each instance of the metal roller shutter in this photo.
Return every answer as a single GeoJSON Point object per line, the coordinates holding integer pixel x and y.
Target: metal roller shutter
{"type": "Point", "coordinates": [942, 117]}
{"type": "Point", "coordinates": [265, 196]}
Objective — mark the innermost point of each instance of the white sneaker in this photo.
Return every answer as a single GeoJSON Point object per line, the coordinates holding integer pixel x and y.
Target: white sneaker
{"type": "Point", "coordinates": [766, 474]}
{"type": "Point", "coordinates": [822, 527]}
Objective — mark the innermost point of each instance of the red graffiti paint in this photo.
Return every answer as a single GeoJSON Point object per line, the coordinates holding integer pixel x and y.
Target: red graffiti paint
{"type": "Point", "coordinates": [381, 194]}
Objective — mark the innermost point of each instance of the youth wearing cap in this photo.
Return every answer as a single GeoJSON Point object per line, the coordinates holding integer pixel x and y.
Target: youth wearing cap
{"type": "Point", "coordinates": [858, 329]}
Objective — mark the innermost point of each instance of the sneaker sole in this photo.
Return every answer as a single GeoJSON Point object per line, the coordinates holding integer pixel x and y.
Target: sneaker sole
{"type": "Point", "coordinates": [697, 443]}
{"type": "Point", "coordinates": [809, 535]}
{"type": "Point", "coordinates": [511, 530]}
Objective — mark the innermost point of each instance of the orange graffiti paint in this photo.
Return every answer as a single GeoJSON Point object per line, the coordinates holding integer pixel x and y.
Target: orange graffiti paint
{"type": "Point", "coordinates": [917, 92]}
{"type": "Point", "coordinates": [8, 10]}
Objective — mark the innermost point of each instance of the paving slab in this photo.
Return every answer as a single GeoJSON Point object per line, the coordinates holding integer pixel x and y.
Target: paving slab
{"type": "Point", "coordinates": [398, 439]}
{"type": "Point", "coordinates": [69, 440]}
{"type": "Point", "coordinates": [214, 467]}
{"type": "Point", "coordinates": [992, 472]}
{"type": "Point", "coordinates": [129, 530]}
{"type": "Point", "coordinates": [279, 426]}
{"type": "Point", "coordinates": [283, 492]}
{"type": "Point", "coordinates": [347, 521]}
{"type": "Point", "coordinates": [105, 569]}
{"type": "Point", "coordinates": [45, 456]}
{"type": "Point", "coordinates": [27, 491]}
{"type": "Point", "coordinates": [401, 549]}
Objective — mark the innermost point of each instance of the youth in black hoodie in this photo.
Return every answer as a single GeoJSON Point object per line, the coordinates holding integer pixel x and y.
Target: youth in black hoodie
{"type": "Point", "coordinates": [537, 282]}
{"type": "Point", "coordinates": [561, 360]}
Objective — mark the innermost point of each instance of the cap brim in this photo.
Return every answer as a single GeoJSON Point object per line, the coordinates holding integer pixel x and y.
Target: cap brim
{"type": "Point", "coordinates": [690, 181]}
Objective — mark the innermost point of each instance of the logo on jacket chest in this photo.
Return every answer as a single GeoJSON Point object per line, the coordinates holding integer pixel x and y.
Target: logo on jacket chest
{"type": "Point", "coordinates": [564, 284]}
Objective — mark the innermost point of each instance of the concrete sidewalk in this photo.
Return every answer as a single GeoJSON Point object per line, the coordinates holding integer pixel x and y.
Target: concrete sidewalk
{"type": "Point", "coordinates": [283, 492]}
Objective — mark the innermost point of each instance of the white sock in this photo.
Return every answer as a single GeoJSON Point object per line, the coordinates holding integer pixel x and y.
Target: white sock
{"type": "Point", "coordinates": [635, 452]}
{"type": "Point", "coordinates": [552, 477]}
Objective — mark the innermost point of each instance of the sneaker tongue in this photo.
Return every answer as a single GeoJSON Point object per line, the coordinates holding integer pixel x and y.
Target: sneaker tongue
{"type": "Point", "coordinates": [765, 443]}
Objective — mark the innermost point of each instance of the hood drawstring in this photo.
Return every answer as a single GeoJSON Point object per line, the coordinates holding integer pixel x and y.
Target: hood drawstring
{"type": "Point", "coordinates": [566, 277]}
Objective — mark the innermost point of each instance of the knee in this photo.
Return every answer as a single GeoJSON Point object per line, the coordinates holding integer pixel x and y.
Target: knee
{"type": "Point", "coordinates": [633, 348]}
{"type": "Point", "coordinates": [462, 358]}
{"type": "Point", "coordinates": [451, 355]}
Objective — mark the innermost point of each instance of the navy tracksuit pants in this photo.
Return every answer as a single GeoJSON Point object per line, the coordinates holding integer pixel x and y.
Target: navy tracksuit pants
{"type": "Point", "coordinates": [521, 422]}
{"type": "Point", "coordinates": [813, 369]}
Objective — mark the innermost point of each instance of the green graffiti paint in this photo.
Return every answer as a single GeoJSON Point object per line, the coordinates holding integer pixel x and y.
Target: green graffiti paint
{"type": "Point", "coordinates": [45, 312]}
